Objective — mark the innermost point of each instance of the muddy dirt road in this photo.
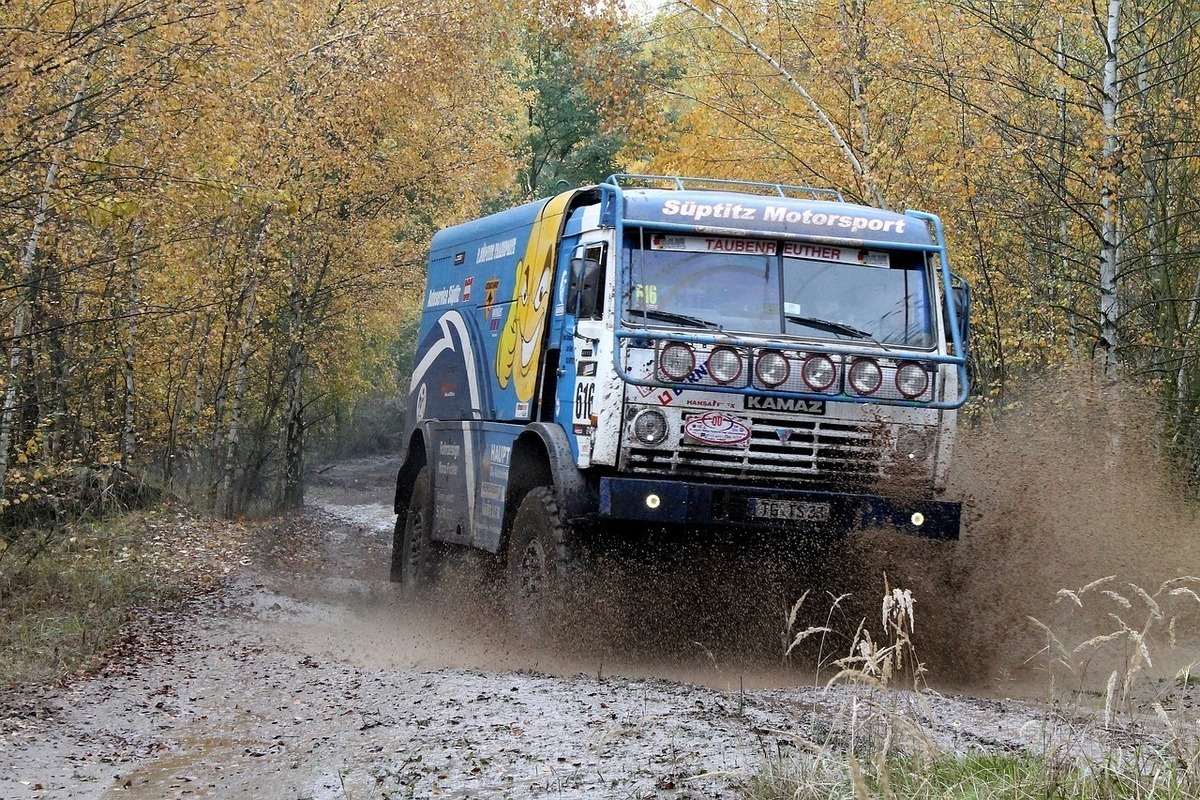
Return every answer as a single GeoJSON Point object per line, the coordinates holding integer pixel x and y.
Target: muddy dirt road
{"type": "Point", "coordinates": [308, 677]}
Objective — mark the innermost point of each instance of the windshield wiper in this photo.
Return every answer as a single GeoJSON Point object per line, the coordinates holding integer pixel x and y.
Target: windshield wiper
{"type": "Point", "coordinates": [829, 327]}
{"type": "Point", "coordinates": [677, 319]}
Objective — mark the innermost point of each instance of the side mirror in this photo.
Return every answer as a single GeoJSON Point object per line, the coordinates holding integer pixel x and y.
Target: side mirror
{"type": "Point", "coordinates": [960, 297]}
{"type": "Point", "coordinates": [583, 292]}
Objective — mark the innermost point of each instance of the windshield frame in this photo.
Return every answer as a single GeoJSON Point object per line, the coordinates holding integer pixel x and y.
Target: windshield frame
{"type": "Point", "coordinates": [920, 331]}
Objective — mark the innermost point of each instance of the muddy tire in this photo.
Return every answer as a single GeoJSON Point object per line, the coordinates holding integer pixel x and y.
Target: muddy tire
{"type": "Point", "coordinates": [539, 565]}
{"type": "Point", "coordinates": [416, 557]}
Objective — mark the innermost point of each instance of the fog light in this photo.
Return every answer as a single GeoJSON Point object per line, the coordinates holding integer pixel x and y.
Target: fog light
{"type": "Point", "coordinates": [819, 373]}
{"type": "Point", "coordinates": [911, 380]}
{"type": "Point", "coordinates": [772, 368]}
{"type": "Point", "coordinates": [653, 501]}
{"type": "Point", "coordinates": [918, 519]}
{"type": "Point", "coordinates": [650, 426]}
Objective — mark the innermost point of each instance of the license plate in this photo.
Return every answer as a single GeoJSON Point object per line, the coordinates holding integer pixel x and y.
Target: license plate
{"type": "Point", "coordinates": [792, 510]}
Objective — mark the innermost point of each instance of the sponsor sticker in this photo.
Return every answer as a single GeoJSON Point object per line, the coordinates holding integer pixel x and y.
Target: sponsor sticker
{"type": "Point", "coordinates": [444, 297]}
{"type": "Point", "coordinates": [489, 291]}
{"type": "Point", "coordinates": [717, 428]}
{"type": "Point", "coordinates": [849, 224]}
{"type": "Point", "coordinates": [495, 250]}
{"type": "Point", "coordinates": [843, 255]}
{"type": "Point", "coordinates": [713, 244]}
{"type": "Point", "coordinates": [422, 401]}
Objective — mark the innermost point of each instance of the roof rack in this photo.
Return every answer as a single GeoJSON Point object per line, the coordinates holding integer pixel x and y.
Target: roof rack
{"type": "Point", "coordinates": [625, 180]}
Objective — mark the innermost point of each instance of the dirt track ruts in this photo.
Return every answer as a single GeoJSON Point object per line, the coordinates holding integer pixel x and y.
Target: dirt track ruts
{"type": "Point", "coordinates": [308, 677]}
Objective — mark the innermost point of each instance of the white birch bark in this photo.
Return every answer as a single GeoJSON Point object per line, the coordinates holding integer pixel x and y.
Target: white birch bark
{"type": "Point", "coordinates": [129, 437]}
{"type": "Point", "coordinates": [1110, 227]}
{"type": "Point", "coordinates": [18, 354]}
{"type": "Point", "coordinates": [230, 470]}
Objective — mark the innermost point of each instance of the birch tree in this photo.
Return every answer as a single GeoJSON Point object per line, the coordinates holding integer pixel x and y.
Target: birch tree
{"type": "Point", "coordinates": [1111, 228]}
{"type": "Point", "coordinates": [725, 18]}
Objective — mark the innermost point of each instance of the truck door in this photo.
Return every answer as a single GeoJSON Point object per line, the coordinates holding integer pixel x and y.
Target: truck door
{"type": "Point", "coordinates": [582, 335]}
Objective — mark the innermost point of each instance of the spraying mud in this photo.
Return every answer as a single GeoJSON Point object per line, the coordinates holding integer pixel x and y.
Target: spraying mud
{"type": "Point", "coordinates": [1063, 489]}
{"type": "Point", "coordinates": [1067, 489]}
{"type": "Point", "coordinates": [310, 676]}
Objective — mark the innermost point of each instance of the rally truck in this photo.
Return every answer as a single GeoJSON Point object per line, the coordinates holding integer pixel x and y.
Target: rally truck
{"type": "Point", "coordinates": [679, 354]}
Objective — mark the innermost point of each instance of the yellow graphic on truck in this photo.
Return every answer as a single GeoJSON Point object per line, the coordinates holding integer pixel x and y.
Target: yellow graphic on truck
{"type": "Point", "coordinates": [520, 344]}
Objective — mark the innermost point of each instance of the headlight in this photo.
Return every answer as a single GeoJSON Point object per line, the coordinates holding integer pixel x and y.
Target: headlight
{"type": "Point", "coordinates": [724, 364]}
{"type": "Point", "coordinates": [650, 426]}
{"type": "Point", "coordinates": [676, 361]}
{"type": "Point", "coordinates": [819, 373]}
{"type": "Point", "coordinates": [772, 368]}
{"type": "Point", "coordinates": [865, 375]}
{"type": "Point", "coordinates": [912, 380]}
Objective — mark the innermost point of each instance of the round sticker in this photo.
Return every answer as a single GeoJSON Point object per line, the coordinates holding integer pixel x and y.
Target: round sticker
{"type": "Point", "coordinates": [717, 428]}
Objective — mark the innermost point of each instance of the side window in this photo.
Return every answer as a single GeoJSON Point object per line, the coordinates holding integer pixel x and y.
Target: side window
{"type": "Point", "coordinates": [585, 296]}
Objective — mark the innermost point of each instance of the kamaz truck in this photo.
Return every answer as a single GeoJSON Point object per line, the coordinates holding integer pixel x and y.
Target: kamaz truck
{"type": "Point", "coordinates": [659, 353]}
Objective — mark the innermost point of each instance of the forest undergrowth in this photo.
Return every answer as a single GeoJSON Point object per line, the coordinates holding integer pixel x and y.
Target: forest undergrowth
{"type": "Point", "coordinates": [69, 592]}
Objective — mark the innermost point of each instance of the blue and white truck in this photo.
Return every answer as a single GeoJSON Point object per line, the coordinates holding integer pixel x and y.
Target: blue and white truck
{"type": "Point", "coordinates": [657, 351]}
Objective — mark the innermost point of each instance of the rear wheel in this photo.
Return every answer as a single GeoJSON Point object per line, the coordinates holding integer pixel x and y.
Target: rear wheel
{"type": "Point", "coordinates": [416, 557]}
{"type": "Point", "coordinates": [538, 564]}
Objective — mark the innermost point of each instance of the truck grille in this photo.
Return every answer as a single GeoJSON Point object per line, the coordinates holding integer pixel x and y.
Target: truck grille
{"type": "Point", "coordinates": [818, 452]}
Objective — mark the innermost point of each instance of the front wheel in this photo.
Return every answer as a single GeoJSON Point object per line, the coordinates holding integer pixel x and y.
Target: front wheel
{"type": "Point", "coordinates": [538, 564]}
{"type": "Point", "coordinates": [416, 557]}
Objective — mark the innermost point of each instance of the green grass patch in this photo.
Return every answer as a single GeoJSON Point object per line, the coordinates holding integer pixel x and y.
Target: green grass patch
{"type": "Point", "coordinates": [969, 777]}
{"type": "Point", "coordinates": [68, 592]}
{"type": "Point", "coordinates": [1144, 745]}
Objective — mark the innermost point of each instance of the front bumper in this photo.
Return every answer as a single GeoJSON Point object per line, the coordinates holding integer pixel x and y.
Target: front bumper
{"type": "Point", "coordinates": [677, 502]}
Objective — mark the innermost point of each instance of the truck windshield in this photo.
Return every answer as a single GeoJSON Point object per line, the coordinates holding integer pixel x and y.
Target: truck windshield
{"type": "Point", "coordinates": [875, 297]}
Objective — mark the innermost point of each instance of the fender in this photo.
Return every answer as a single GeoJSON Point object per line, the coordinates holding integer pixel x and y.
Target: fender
{"type": "Point", "coordinates": [414, 457]}
{"type": "Point", "coordinates": [576, 496]}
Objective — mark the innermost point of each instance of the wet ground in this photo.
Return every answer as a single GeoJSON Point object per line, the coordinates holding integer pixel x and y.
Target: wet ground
{"type": "Point", "coordinates": [309, 677]}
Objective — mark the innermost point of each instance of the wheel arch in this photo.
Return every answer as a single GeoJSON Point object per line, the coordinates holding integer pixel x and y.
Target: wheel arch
{"type": "Point", "coordinates": [542, 456]}
{"type": "Point", "coordinates": [415, 457]}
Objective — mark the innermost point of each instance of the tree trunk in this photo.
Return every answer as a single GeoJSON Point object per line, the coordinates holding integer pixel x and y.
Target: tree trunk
{"type": "Point", "coordinates": [227, 501]}
{"type": "Point", "coordinates": [304, 308]}
{"type": "Point", "coordinates": [20, 350]}
{"type": "Point", "coordinates": [1110, 175]}
{"type": "Point", "coordinates": [852, 13]}
{"type": "Point", "coordinates": [196, 462]}
{"type": "Point", "coordinates": [851, 158]}
{"type": "Point", "coordinates": [293, 452]}
{"type": "Point", "coordinates": [129, 435]}
{"type": "Point", "coordinates": [1064, 233]}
